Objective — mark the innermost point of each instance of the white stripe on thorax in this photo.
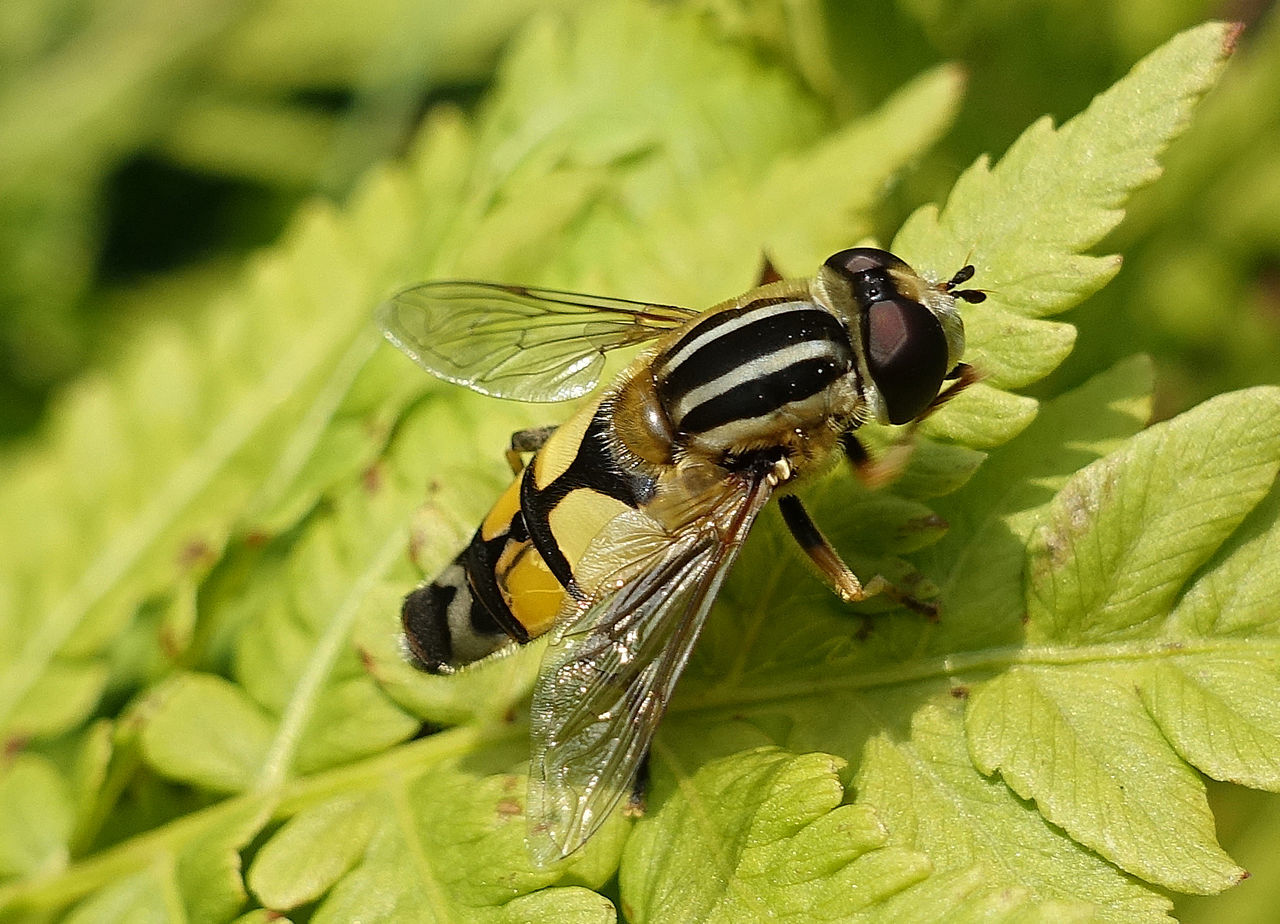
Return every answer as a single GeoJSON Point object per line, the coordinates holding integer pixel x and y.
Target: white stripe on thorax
{"type": "Point", "coordinates": [673, 362]}
{"type": "Point", "coordinates": [745, 429]}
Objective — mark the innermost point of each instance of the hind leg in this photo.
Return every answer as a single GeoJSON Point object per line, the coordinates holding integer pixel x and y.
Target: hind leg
{"type": "Point", "coordinates": [526, 441]}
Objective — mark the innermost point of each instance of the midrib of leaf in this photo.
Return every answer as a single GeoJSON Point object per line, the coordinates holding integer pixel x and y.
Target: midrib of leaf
{"type": "Point", "coordinates": [725, 867]}
{"type": "Point", "coordinates": [329, 646]}
{"type": "Point", "coordinates": [429, 883]}
{"type": "Point", "coordinates": [120, 861]}
{"type": "Point", "coordinates": [314, 423]}
{"type": "Point", "coordinates": [722, 697]}
{"type": "Point", "coordinates": [292, 797]}
{"type": "Point", "coordinates": [167, 506]}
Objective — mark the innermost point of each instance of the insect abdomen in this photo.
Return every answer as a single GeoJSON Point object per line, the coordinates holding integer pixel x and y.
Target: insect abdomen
{"type": "Point", "coordinates": [446, 626]}
{"type": "Point", "coordinates": [509, 584]}
{"type": "Point", "coordinates": [461, 616]}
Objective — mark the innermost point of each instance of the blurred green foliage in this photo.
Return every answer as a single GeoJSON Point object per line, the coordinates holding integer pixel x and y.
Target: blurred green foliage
{"type": "Point", "coordinates": [147, 147]}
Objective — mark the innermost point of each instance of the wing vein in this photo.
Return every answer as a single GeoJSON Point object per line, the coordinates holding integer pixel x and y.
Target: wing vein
{"type": "Point", "coordinates": [614, 661]}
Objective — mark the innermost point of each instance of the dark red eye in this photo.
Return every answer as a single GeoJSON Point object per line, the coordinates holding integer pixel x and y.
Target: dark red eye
{"type": "Point", "coordinates": [907, 356]}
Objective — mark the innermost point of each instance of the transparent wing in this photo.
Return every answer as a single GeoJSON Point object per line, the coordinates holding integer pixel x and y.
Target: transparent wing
{"type": "Point", "coordinates": [516, 341]}
{"type": "Point", "coordinates": [612, 665]}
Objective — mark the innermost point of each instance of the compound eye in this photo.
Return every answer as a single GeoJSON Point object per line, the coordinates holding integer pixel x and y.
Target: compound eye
{"type": "Point", "coordinates": [858, 260]}
{"type": "Point", "coordinates": [907, 356]}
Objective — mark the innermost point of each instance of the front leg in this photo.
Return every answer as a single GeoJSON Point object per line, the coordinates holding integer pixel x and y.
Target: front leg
{"type": "Point", "coordinates": [889, 466]}
{"type": "Point", "coordinates": [962, 376]}
{"type": "Point", "coordinates": [885, 468]}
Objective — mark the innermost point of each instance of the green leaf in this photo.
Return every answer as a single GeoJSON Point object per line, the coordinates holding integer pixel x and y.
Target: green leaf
{"type": "Point", "coordinates": [306, 699]}
{"type": "Point", "coordinates": [982, 416]}
{"type": "Point", "coordinates": [264, 484]}
{"type": "Point", "coordinates": [146, 472]}
{"type": "Point", "coordinates": [795, 853]}
{"type": "Point", "coordinates": [207, 731]}
{"type": "Point", "coordinates": [458, 852]}
{"type": "Point", "coordinates": [1215, 712]}
{"type": "Point", "coordinates": [91, 781]}
{"type": "Point", "coordinates": [175, 447]}
{"type": "Point", "coordinates": [986, 840]}
{"type": "Point", "coordinates": [815, 201]}
{"type": "Point", "coordinates": [37, 809]}
{"type": "Point", "coordinates": [1050, 733]}
{"type": "Point", "coordinates": [795, 682]}
{"type": "Point", "coordinates": [981, 559]}
{"type": "Point", "coordinates": [312, 851]}
{"type": "Point", "coordinates": [269, 49]}
{"type": "Point", "coordinates": [192, 874]}
{"type": "Point", "coordinates": [1125, 534]}
{"type": "Point", "coordinates": [413, 834]}
{"type": "Point", "coordinates": [243, 425]}
{"type": "Point", "coordinates": [1234, 594]}
{"type": "Point", "coordinates": [59, 699]}
{"type": "Point", "coordinates": [1118, 544]}
{"type": "Point", "coordinates": [1026, 223]}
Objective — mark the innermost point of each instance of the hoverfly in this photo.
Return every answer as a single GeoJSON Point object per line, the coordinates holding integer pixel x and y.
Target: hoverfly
{"type": "Point", "coordinates": [617, 535]}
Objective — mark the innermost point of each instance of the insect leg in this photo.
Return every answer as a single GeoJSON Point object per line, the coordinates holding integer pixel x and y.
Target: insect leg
{"type": "Point", "coordinates": [638, 798]}
{"type": "Point", "coordinates": [853, 449]}
{"type": "Point", "coordinates": [886, 469]}
{"type": "Point", "coordinates": [828, 561]}
{"type": "Point", "coordinates": [962, 376]}
{"type": "Point", "coordinates": [833, 568]}
{"type": "Point", "coordinates": [523, 441]}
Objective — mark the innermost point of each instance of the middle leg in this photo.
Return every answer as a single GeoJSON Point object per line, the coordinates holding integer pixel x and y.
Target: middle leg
{"type": "Point", "coordinates": [832, 567]}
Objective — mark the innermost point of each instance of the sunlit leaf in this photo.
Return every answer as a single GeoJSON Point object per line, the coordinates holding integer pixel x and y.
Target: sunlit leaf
{"type": "Point", "coordinates": [207, 545]}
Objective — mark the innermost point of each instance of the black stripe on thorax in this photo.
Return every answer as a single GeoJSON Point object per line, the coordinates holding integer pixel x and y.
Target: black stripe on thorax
{"type": "Point", "coordinates": [764, 394]}
{"type": "Point", "coordinates": [593, 467]}
{"type": "Point", "coordinates": [770, 332]}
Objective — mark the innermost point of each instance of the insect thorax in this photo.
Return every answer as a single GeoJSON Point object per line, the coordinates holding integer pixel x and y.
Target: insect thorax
{"type": "Point", "coordinates": [774, 372]}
